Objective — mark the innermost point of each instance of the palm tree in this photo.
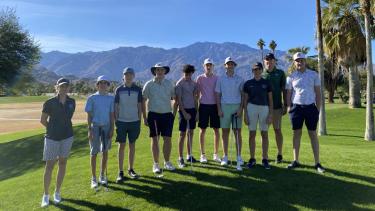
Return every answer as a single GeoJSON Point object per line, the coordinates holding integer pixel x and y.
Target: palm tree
{"type": "Point", "coordinates": [322, 114]}
{"type": "Point", "coordinates": [261, 44]}
{"type": "Point", "coordinates": [344, 39]}
{"type": "Point", "coordinates": [369, 132]}
{"type": "Point", "coordinates": [273, 46]}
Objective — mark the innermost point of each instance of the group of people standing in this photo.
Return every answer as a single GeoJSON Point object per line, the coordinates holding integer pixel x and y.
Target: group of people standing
{"type": "Point", "coordinates": [212, 101]}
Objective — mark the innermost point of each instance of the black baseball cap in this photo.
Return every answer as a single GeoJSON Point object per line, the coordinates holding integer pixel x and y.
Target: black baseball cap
{"type": "Point", "coordinates": [257, 65]}
{"type": "Point", "coordinates": [62, 81]}
{"type": "Point", "coordinates": [270, 56]}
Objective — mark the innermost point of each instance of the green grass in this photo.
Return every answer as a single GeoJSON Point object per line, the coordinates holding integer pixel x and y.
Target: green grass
{"type": "Point", "coordinates": [27, 99]}
{"type": "Point", "coordinates": [348, 184]}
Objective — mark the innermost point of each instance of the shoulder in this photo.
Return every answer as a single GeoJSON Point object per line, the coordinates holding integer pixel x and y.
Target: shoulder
{"type": "Point", "coordinates": [148, 83]}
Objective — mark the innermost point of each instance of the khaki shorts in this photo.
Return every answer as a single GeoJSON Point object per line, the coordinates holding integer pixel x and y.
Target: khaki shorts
{"type": "Point", "coordinates": [255, 114]}
{"type": "Point", "coordinates": [276, 118]}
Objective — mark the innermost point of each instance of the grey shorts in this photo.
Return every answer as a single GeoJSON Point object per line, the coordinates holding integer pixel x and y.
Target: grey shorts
{"type": "Point", "coordinates": [128, 130]}
{"type": "Point", "coordinates": [56, 149]}
{"type": "Point", "coordinates": [100, 141]}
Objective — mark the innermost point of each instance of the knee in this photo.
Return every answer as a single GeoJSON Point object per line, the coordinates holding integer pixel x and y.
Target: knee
{"type": "Point", "coordinates": [62, 162]}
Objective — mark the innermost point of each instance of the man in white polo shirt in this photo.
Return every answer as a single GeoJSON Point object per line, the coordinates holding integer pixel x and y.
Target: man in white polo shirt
{"type": "Point", "coordinates": [229, 104]}
{"type": "Point", "coordinates": [303, 101]}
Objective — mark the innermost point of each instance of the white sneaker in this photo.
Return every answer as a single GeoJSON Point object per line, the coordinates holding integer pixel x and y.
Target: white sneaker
{"type": "Point", "coordinates": [103, 180]}
{"type": "Point", "coordinates": [216, 158]}
{"type": "Point", "coordinates": [94, 184]}
{"type": "Point", "coordinates": [224, 161]}
{"type": "Point", "coordinates": [168, 165]}
{"type": "Point", "coordinates": [56, 198]}
{"type": "Point", "coordinates": [203, 159]}
{"type": "Point", "coordinates": [45, 201]}
{"type": "Point", "coordinates": [239, 160]}
{"type": "Point", "coordinates": [156, 168]}
{"type": "Point", "coordinates": [238, 167]}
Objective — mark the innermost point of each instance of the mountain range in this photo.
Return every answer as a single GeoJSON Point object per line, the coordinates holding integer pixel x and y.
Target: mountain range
{"type": "Point", "coordinates": [111, 63]}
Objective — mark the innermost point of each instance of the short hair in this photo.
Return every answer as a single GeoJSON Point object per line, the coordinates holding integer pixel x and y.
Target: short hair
{"type": "Point", "coordinates": [188, 68]}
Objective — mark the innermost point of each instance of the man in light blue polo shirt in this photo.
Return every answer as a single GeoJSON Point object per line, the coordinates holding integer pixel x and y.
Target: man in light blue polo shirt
{"type": "Point", "coordinates": [229, 105]}
{"type": "Point", "coordinates": [100, 120]}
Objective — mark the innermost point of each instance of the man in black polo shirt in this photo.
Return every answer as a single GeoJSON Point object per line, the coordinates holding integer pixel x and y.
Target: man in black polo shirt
{"type": "Point", "coordinates": [57, 118]}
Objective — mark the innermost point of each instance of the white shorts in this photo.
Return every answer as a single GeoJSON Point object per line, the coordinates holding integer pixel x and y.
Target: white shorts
{"type": "Point", "coordinates": [257, 113]}
{"type": "Point", "coordinates": [56, 149]}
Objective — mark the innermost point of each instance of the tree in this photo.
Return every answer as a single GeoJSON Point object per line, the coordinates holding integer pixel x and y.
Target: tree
{"type": "Point", "coordinates": [344, 41]}
{"type": "Point", "coordinates": [322, 114]}
{"type": "Point", "coordinates": [18, 50]}
{"type": "Point", "coordinates": [369, 132]}
{"type": "Point", "coordinates": [273, 46]}
{"type": "Point", "coordinates": [261, 44]}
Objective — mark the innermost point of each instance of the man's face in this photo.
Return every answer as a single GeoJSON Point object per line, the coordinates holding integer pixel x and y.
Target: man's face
{"type": "Point", "coordinates": [128, 77]}
{"type": "Point", "coordinates": [257, 72]}
{"type": "Point", "coordinates": [159, 72]}
{"type": "Point", "coordinates": [269, 63]}
{"type": "Point", "coordinates": [187, 76]}
{"type": "Point", "coordinates": [229, 66]}
{"type": "Point", "coordinates": [300, 64]}
{"type": "Point", "coordinates": [63, 88]}
{"type": "Point", "coordinates": [102, 85]}
{"type": "Point", "coordinates": [208, 67]}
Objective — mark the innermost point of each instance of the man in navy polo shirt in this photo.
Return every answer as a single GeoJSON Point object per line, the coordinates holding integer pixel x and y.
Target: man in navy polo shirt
{"type": "Point", "coordinates": [303, 100]}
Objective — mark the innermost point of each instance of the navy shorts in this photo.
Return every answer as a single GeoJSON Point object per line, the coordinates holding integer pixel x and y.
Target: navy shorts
{"type": "Point", "coordinates": [183, 122]}
{"type": "Point", "coordinates": [163, 123]}
{"type": "Point", "coordinates": [128, 130]}
{"type": "Point", "coordinates": [208, 114]}
{"type": "Point", "coordinates": [304, 113]}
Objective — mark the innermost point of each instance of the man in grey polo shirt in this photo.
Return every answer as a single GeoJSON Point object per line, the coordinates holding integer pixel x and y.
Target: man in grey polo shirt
{"type": "Point", "coordinates": [128, 111]}
{"type": "Point", "coordinates": [159, 92]}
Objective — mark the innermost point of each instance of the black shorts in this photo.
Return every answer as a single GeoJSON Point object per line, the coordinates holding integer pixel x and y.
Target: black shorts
{"type": "Point", "coordinates": [161, 124]}
{"type": "Point", "coordinates": [128, 130]}
{"type": "Point", "coordinates": [183, 122]}
{"type": "Point", "coordinates": [208, 114]}
{"type": "Point", "coordinates": [304, 113]}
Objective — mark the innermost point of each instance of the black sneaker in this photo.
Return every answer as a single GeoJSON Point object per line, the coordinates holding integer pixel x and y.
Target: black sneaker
{"type": "Point", "coordinates": [293, 165]}
{"type": "Point", "coordinates": [265, 164]}
{"type": "Point", "coordinates": [181, 163]}
{"type": "Point", "coordinates": [251, 163]}
{"type": "Point", "coordinates": [319, 168]}
{"type": "Point", "coordinates": [279, 159]}
{"type": "Point", "coordinates": [120, 177]}
{"type": "Point", "coordinates": [191, 159]}
{"type": "Point", "coordinates": [132, 174]}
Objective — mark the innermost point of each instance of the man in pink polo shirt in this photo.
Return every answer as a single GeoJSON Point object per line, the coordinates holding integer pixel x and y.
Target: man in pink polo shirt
{"type": "Point", "coordinates": [208, 109]}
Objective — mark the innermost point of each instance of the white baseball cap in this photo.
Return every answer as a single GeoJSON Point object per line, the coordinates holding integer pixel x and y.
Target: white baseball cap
{"type": "Point", "coordinates": [103, 78]}
{"type": "Point", "coordinates": [229, 59]}
{"type": "Point", "coordinates": [208, 61]}
{"type": "Point", "coordinates": [298, 55]}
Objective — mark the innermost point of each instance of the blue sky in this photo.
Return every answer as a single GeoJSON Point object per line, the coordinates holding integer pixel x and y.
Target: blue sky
{"type": "Point", "coordinates": [83, 25]}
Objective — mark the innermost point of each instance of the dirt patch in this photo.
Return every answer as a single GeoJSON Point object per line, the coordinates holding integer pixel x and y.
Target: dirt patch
{"type": "Point", "coordinates": [25, 116]}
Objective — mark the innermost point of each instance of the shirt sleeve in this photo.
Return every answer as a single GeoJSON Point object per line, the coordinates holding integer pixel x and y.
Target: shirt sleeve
{"type": "Point", "coordinates": [218, 86]}
{"type": "Point", "coordinates": [89, 104]}
{"type": "Point", "coordinates": [282, 80]}
{"type": "Point", "coordinates": [145, 91]}
{"type": "Point", "coordinates": [241, 84]}
{"type": "Point", "coordinates": [117, 95]}
{"type": "Point", "coordinates": [288, 83]}
{"type": "Point", "coordinates": [269, 86]}
{"type": "Point", "coordinates": [173, 93]}
{"type": "Point", "coordinates": [139, 95]}
{"type": "Point", "coordinates": [111, 107]}
{"type": "Point", "coordinates": [46, 108]}
{"type": "Point", "coordinates": [178, 89]}
{"type": "Point", "coordinates": [316, 79]}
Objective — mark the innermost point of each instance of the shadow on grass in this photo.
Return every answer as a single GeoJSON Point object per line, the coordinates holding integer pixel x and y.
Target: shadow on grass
{"type": "Point", "coordinates": [20, 156]}
{"type": "Point", "coordinates": [277, 189]}
{"type": "Point", "coordinates": [350, 136]}
{"type": "Point", "coordinates": [87, 205]}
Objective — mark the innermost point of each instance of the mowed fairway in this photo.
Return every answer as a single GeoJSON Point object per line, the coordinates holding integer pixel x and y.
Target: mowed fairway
{"type": "Point", "coordinates": [348, 184]}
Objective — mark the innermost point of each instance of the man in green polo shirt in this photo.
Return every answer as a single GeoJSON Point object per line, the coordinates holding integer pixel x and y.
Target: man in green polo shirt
{"type": "Point", "coordinates": [278, 81]}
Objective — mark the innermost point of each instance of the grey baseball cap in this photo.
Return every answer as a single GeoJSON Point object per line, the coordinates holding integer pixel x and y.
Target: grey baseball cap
{"type": "Point", "coordinates": [128, 70]}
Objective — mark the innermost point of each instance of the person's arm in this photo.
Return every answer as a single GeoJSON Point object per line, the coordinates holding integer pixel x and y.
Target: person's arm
{"type": "Point", "coordinates": [196, 104]}
{"type": "Point", "coordinates": [245, 99]}
{"type": "Point", "coordinates": [44, 119]}
{"type": "Point", "coordinates": [117, 110]}
{"type": "Point", "coordinates": [270, 108]}
{"type": "Point", "coordinates": [289, 99]}
{"type": "Point", "coordinates": [112, 124]}
{"type": "Point", "coordinates": [144, 111]}
{"type": "Point", "coordinates": [240, 109]}
{"type": "Point", "coordinates": [284, 92]}
{"type": "Point", "coordinates": [318, 99]}
{"type": "Point", "coordinates": [218, 104]}
{"type": "Point", "coordinates": [89, 126]}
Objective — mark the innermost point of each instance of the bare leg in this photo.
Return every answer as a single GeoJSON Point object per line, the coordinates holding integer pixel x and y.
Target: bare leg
{"type": "Point", "coordinates": [181, 144]}
{"type": "Point", "coordinates": [48, 174]}
{"type": "Point", "coordinates": [252, 143]}
{"type": "Point", "coordinates": [225, 138]}
{"type": "Point", "coordinates": [121, 149]}
{"type": "Point", "coordinates": [239, 144]}
{"type": "Point", "coordinates": [279, 141]}
{"type": "Point", "coordinates": [104, 162]}
{"type": "Point", "coordinates": [217, 140]}
{"type": "Point", "coordinates": [264, 144]}
{"type": "Point", "coordinates": [93, 165]}
{"type": "Point", "coordinates": [60, 173]}
{"type": "Point", "coordinates": [314, 145]}
{"type": "Point", "coordinates": [155, 149]}
{"type": "Point", "coordinates": [131, 155]}
{"type": "Point", "coordinates": [167, 146]}
{"type": "Point", "coordinates": [189, 143]}
{"type": "Point", "coordinates": [202, 134]}
{"type": "Point", "coordinates": [296, 143]}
